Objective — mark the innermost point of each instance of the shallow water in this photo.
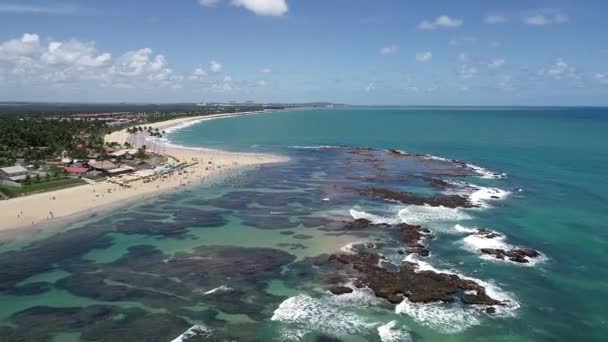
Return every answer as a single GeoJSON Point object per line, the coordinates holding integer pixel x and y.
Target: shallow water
{"type": "Point", "coordinates": [555, 160]}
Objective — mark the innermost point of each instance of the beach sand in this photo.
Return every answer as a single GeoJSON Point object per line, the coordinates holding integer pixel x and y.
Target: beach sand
{"type": "Point", "coordinates": [33, 210]}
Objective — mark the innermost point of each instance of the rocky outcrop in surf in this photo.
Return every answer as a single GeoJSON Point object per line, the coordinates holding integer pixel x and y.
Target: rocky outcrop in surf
{"type": "Point", "coordinates": [409, 282]}
{"type": "Point", "coordinates": [449, 201]}
{"type": "Point", "coordinates": [413, 236]}
{"type": "Point", "coordinates": [491, 243]}
{"type": "Point", "coordinates": [520, 255]}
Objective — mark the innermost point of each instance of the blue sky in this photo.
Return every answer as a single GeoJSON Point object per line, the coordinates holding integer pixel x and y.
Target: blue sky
{"type": "Point", "coordinates": [467, 52]}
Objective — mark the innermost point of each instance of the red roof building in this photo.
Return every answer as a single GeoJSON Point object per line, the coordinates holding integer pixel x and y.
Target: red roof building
{"type": "Point", "coordinates": [76, 170]}
{"type": "Point", "coordinates": [55, 163]}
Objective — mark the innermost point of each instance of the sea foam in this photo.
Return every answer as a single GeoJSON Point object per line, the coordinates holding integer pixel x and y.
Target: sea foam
{"type": "Point", "coordinates": [375, 219]}
{"type": "Point", "coordinates": [454, 317]}
{"type": "Point", "coordinates": [390, 332]}
{"type": "Point", "coordinates": [305, 314]}
{"type": "Point", "coordinates": [421, 214]}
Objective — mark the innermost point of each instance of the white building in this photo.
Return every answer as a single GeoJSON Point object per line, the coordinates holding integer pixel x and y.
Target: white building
{"type": "Point", "coordinates": [13, 173]}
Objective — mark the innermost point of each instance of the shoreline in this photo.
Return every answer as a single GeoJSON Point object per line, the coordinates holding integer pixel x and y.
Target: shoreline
{"type": "Point", "coordinates": [43, 209]}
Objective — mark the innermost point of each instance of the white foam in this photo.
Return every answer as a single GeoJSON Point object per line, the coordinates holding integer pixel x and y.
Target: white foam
{"type": "Point", "coordinates": [305, 314]}
{"type": "Point", "coordinates": [389, 332]}
{"type": "Point", "coordinates": [482, 195]}
{"type": "Point", "coordinates": [356, 247]}
{"type": "Point", "coordinates": [509, 303]}
{"type": "Point", "coordinates": [194, 331]}
{"type": "Point", "coordinates": [475, 243]}
{"type": "Point", "coordinates": [326, 199]}
{"type": "Point", "coordinates": [220, 289]}
{"type": "Point", "coordinates": [463, 229]}
{"type": "Point", "coordinates": [431, 157]}
{"type": "Point", "coordinates": [315, 147]}
{"type": "Point", "coordinates": [447, 318]}
{"type": "Point", "coordinates": [421, 214]}
{"type": "Point", "coordinates": [375, 219]}
{"type": "Point", "coordinates": [485, 173]}
{"type": "Point", "coordinates": [358, 298]}
{"type": "Point", "coordinates": [477, 195]}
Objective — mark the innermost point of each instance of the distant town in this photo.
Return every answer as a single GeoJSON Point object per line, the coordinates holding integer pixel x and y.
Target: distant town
{"type": "Point", "coordinates": [47, 147]}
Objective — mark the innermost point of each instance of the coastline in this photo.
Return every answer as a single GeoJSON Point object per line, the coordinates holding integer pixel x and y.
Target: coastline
{"type": "Point", "coordinates": [36, 210]}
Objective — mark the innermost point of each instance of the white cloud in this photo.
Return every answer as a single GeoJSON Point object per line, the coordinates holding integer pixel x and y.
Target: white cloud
{"type": "Point", "coordinates": [75, 53]}
{"type": "Point", "coordinates": [215, 66]}
{"type": "Point", "coordinates": [495, 19]}
{"type": "Point", "coordinates": [466, 71]}
{"type": "Point", "coordinates": [494, 44]}
{"type": "Point", "coordinates": [560, 69]}
{"type": "Point", "coordinates": [208, 3]}
{"type": "Point", "coordinates": [36, 9]}
{"type": "Point", "coordinates": [23, 47]}
{"type": "Point", "coordinates": [27, 60]}
{"type": "Point", "coordinates": [389, 49]}
{"type": "Point", "coordinates": [460, 41]}
{"type": "Point", "coordinates": [601, 77]}
{"type": "Point", "coordinates": [266, 71]}
{"type": "Point", "coordinates": [497, 63]}
{"type": "Point", "coordinates": [440, 22]}
{"type": "Point", "coordinates": [262, 83]}
{"type": "Point", "coordinates": [227, 78]}
{"type": "Point", "coordinates": [542, 19]}
{"type": "Point", "coordinates": [264, 7]}
{"type": "Point", "coordinates": [506, 82]}
{"type": "Point", "coordinates": [198, 74]}
{"type": "Point", "coordinates": [424, 56]}
{"type": "Point", "coordinates": [370, 87]}
{"type": "Point", "coordinates": [466, 68]}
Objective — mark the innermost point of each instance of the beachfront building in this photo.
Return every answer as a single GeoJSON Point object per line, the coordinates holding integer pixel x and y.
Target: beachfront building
{"type": "Point", "coordinates": [125, 154]}
{"type": "Point", "coordinates": [77, 171]}
{"type": "Point", "coordinates": [109, 168]}
{"type": "Point", "coordinates": [13, 173]}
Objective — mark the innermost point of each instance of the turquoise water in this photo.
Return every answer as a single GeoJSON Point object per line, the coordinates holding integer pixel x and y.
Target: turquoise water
{"type": "Point", "coordinates": [558, 157]}
{"type": "Point", "coordinates": [140, 273]}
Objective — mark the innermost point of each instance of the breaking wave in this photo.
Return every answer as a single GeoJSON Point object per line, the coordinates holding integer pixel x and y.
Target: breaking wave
{"type": "Point", "coordinates": [450, 318]}
{"type": "Point", "coordinates": [390, 332]}
{"type": "Point", "coordinates": [421, 214]}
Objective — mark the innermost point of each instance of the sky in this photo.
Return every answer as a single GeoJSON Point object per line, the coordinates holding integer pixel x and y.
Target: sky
{"type": "Point", "coordinates": [365, 52]}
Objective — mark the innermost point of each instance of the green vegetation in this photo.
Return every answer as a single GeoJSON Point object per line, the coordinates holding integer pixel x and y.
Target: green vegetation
{"type": "Point", "coordinates": [27, 189]}
{"type": "Point", "coordinates": [38, 139]}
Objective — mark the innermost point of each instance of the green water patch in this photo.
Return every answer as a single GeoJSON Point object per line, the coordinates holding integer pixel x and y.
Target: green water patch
{"type": "Point", "coordinates": [49, 277]}
{"type": "Point", "coordinates": [233, 234]}
{"type": "Point", "coordinates": [56, 298]}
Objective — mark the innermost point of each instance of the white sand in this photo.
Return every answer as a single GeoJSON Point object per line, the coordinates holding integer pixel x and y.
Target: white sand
{"type": "Point", "coordinates": [30, 211]}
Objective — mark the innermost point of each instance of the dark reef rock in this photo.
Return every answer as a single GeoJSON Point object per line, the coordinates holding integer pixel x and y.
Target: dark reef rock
{"type": "Point", "coordinates": [487, 233]}
{"type": "Point", "coordinates": [520, 255]}
{"type": "Point", "coordinates": [409, 282]}
{"type": "Point", "coordinates": [30, 289]}
{"type": "Point", "coordinates": [439, 183]}
{"type": "Point", "coordinates": [302, 236]}
{"type": "Point", "coordinates": [450, 201]}
{"type": "Point", "coordinates": [362, 223]}
{"type": "Point", "coordinates": [96, 323]}
{"type": "Point", "coordinates": [327, 338]}
{"type": "Point", "coordinates": [413, 236]}
{"type": "Point", "coordinates": [340, 290]}
{"type": "Point", "coordinates": [292, 246]}
{"type": "Point", "coordinates": [41, 256]}
{"type": "Point", "coordinates": [310, 221]}
{"type": "Point", "coordinates": [173, 282]}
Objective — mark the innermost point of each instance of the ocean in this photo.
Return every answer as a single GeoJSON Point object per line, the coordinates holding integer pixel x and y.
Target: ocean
{"type": "Point", "coordinates": [244, 258]}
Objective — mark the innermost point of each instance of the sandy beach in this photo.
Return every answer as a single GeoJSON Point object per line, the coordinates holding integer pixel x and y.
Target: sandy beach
{"type": "Point", "coordinates": [33, 210]}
